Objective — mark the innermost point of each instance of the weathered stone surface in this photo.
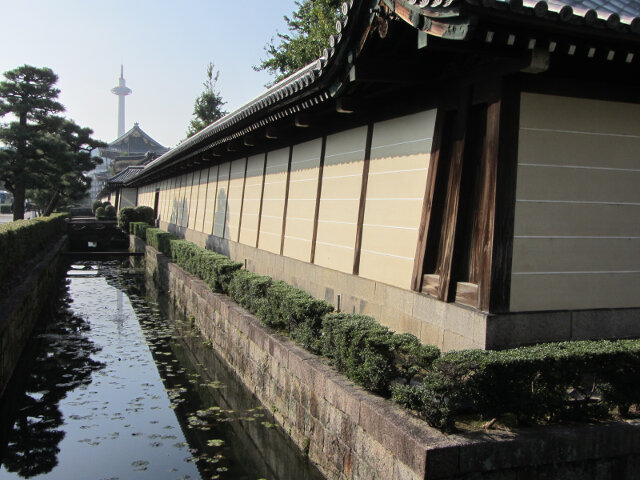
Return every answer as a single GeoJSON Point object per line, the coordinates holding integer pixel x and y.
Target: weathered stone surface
{"type": "Point", "coordinates": [350, 433]}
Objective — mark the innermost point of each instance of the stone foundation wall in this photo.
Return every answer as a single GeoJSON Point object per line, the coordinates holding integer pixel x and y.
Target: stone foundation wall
{"type": "Point", "coordinates": [21, 310]}
{"type": "Point", "coordinates": [352, 434]}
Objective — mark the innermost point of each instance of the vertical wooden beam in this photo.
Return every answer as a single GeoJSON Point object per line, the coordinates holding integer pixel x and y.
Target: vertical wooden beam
{"type": "Point", "coordinates": [425, 216]}
{"type": "Point", "coordinates": [264, 174]}
{"type": "Point", "coordinates": [316, 214]}
{"type": "Point", "coordinates": [363, 200]}
{"type": "Point", "coordinates": [286, 201]}
{"type": "Point", "coordinates": [447, 242]}
{"type": "Point", "coordinates": [507, 168]}
{"type": "Point", "coordinates": [244, 184]}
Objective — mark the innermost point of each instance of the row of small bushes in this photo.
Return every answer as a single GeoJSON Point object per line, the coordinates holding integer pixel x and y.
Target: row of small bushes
{"type": "Point", "coordinates": [542, 383]}
{"type": "Point", "coordinates": [141, 213]}
{"type": "Point", "coordinates": [24, 239]}
{"type": "Point", "coordinates": [552, 382]}
{"type": "Point", "coordinates": [215, 269]}
{"type": "Point", "coordinates": [365, 351]}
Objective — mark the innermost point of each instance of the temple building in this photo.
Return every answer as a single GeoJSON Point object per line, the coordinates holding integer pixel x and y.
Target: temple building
{"type": "Point", "coordinates": [464, 170]}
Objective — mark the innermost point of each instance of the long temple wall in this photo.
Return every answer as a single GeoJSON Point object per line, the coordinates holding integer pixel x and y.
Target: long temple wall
{"type": "Point", "coordinates": [577, 219]}
{"type": "Point", "coordinates": [255, 203]}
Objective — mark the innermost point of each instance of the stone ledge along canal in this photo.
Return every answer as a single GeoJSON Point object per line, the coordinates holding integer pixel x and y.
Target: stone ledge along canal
{"type": "Point", "coordinates": [115, 386]}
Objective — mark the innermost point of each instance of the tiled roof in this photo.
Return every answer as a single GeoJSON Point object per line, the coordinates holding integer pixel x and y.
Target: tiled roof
{"type": "Point", "coordinates": [307, 87]}
{"type": "Point", "coordinates": [124, 176]}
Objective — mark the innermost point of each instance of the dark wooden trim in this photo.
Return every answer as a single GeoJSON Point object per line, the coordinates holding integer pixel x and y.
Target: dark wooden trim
{"type": "Point", "coordinates": [363, 200]}
{"type": "Point", "coordinates": [206, 198]}
{"type": "Point", "coordinates": [215, 200]}
{"type": "Point", "coordinates": [418, 264]}
{"type": "Point", "coordinates": [244, 184]}
{"type": "Point", "coordinates": [505, 200]}
{"type": "Point", "coordinates": [286, 201]}
{"type": "Point", "coordinates": [264, 174]}
{"type": "Point", "coordinates": [484, 235]}
{"type": "Point", "coordinates": [447, 241]}
{"type": "Point", "coordinates": [156, 202]}
{"type": "Point", "coordinates": [316, 214]}
{"type": "Point", "coordinates": [226, 205]}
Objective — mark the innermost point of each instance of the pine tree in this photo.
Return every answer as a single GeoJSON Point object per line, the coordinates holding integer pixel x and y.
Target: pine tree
{"type": "Point", "coordinates": [29, 94]}
{"type": "Point", "coordinates": [310, 27]}
{"type": "Point", "coordinates": [208, 106]}
{"type": "Point", "coordinates": [43, 153]}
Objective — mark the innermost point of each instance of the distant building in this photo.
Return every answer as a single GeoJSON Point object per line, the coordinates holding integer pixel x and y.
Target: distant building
{"type": "Point", "coordinates": [135, 147]}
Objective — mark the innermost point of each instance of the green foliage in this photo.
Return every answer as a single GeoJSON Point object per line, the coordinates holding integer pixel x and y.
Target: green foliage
{"type": "Point", "coordinates": [208, 106]}
{"type": "Point", "coordinates": [45, 155]}
{"type": "Point", "coordinates": [24, 239]}
{"type": "Point", "coordinates": [5, 208]}
{"type": "Point", "coordinates": [139, 229]}
{"type": "Point", "coordinates": [249, 290]}
{"type": "Point", "coordinates": [361, 348]}
{"type": "Point", "coordinates": [160, 240]}
{"type": "Point", "coordinates": [309, 29]}
{"type": "Point", "coordinates": [543, 383]}
{"type": "Point", "coordinates": [94, 205]}
{"type": "Point", "coordinates": [215, 269]}
{"type": "Point", "coordinates": [109, 211]}
{"type": "Point", "coordinates": [127, 215]}
{"type": "Point", "coordinates": [296, 312]}
{"type": "Point", "coordinates": [99, 213]}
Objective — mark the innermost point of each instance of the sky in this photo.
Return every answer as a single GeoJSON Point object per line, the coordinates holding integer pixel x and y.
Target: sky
{"type": "Point", "coordinates": [165, 47]}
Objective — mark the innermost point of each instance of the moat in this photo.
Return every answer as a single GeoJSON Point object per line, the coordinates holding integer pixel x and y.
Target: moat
{"type": "Point", "coordinates": [116, 384]}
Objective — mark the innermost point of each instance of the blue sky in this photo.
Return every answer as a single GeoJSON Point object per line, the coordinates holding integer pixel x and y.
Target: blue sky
{"type": "Point", "coordinates": [165, 47]}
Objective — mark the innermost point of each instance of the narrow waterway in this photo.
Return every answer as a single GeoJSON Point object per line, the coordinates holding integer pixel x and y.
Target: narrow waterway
{"type": "Point", "coordinates": [114, 385]}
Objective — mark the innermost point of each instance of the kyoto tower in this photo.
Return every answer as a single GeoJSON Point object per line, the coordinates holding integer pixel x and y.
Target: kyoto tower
{"type": "Point", "coordinates": [121, 91]}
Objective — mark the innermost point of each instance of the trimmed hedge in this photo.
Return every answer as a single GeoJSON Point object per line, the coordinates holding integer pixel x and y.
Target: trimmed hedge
{"type": "Point", "coordinates": [127, 215]}
{"type": "Point", "coordinates": [5, 208]}
{"type": "Point", "coordinates": [551, 382]}
{"type": "Point", "coordinates": [160, 240]}
{"type": "Point", "coordinates": [139, 229]}
{"type": "Point", "coordinates": [24, 239]}
{"type": "Point", "coordinates": [543, 383]}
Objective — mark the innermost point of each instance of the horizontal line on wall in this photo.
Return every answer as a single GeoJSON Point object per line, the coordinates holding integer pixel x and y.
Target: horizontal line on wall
{"type": "Point", "coordinates": [297, 238]}
{"type": "Point", "coordinates": [395, 199]}
{"type": "Point", "coordinates": [406, 142]}
{"type": "Point", "coordinates": [296, 163]}
{"type": "Point", "coordinates": [579, 132]}
{"type": "Point", "coordinates": [586, 272]}
{"type": "Point", "coordinates": [334, 245]}
{"type": "Point", "coordinates": [279, 217]}
{"type": "Point", "coordinates": [300, 180]}
{"type": "Point", "coordinates": [582, 167]}
{"type": "Point", "coordinates": [264, 232]}
{"type": "Point", "coordinates": [300, 219]}
{"type": "Point", "coordinates": [389, 226]}
{"type": "Point", "coordinates": [343, 154]}
{"type": "Point", "coordinates": [588, 237]}
{"type": "Point", "coordinates": [586, 202]}
{"type": "Point", "coordinates": [336, 221]}
{"type": "Point", "coordinates": [373, 252]}
{"type": "Point", "coordinates": [407, 170]}
{"type": "Point", "coordinates": [327, 199]}
{"type": "Point", "coordinates": [333, 177]}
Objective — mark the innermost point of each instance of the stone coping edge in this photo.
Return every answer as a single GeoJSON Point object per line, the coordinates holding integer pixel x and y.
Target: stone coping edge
{"type": "Point", "coordinates": [430, 453]}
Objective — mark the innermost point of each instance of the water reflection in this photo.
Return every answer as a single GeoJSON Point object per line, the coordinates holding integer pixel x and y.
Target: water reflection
{"type": "Point", "coordinates": [60, 361]}
{"type": "Point", "coordinates": [115, 386]}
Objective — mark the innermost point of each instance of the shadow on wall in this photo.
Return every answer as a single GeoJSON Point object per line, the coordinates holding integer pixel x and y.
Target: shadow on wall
{"type": "Point", "coordinates": [217, 242]}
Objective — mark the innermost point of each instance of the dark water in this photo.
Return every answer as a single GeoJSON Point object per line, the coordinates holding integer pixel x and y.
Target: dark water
{"type": "Point", "coordinates": [116, 386]}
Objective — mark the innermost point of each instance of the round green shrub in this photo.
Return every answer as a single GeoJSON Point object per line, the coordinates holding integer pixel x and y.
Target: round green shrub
{"type": "Point", "coordinates": [99, 213]}
{"type": "Point", "coordinates": [94, 205]}
{"type": "Point", "coordinates": [110, 211]}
